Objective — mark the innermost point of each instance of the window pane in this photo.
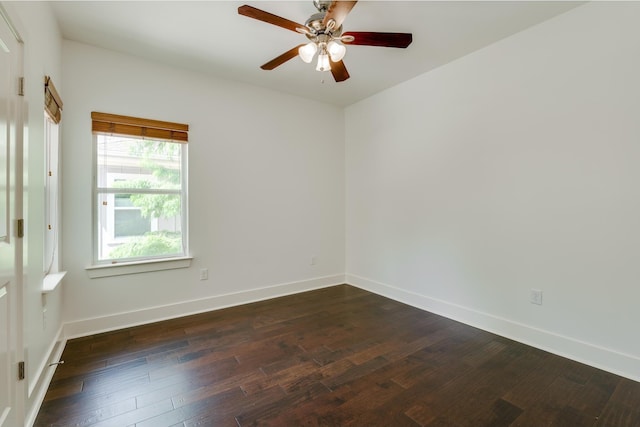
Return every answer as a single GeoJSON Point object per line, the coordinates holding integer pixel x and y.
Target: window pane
{"type": "Point", "coordinates": [135, 163]}
{"type": "Point", "coordinates": [139, 196]}
{"type": "Point", "coordinates": [52, 197]}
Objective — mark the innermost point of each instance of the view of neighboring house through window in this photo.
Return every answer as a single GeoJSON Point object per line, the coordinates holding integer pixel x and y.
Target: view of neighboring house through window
{"type": "Point", "coordinates": [140, 189]}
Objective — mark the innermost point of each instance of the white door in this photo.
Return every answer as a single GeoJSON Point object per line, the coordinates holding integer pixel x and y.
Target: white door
{"type": "Point", "coordinates": [11, 390]}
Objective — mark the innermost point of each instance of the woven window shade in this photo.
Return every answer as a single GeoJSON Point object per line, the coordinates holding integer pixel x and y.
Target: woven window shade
{"type": "Point", "coordinates": [52, 100]}
{"type": "Point", "coordinates": [113, 124]}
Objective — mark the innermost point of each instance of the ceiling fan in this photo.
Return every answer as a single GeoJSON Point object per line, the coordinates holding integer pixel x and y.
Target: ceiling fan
{"type": "Point", "coordinates": [324, 30]}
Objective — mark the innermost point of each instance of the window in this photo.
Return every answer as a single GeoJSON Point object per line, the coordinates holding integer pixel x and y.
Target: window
{"type": "Point", "coordinates": [51, 251]}
{"type": "Point", "coordinates": [140, 189]}
{"type": "Point", "coordinates": [52, 182]}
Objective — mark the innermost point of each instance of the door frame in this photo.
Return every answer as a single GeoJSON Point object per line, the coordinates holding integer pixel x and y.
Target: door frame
{"type": "Point", "coordinates": [15, 165]}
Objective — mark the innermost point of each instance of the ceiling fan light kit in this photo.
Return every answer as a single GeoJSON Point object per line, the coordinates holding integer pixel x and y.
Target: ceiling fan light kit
{"type": "Point", "coordinates": [324, 31]}
{"type": "Point", "coordinates": [336, 50]}
{"type": "Point", "coordinates": [307, 52]}
{"type": "Point", "coordinates": [323, 61]}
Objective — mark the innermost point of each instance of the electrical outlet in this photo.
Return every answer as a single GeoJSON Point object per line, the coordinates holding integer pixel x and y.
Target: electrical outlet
{"type": "Point", "coordinates": [313, 260]}
{"type": "Point", "coordinates": [204, 274]}
{"type": "Point", "coordinates": [535, 296]}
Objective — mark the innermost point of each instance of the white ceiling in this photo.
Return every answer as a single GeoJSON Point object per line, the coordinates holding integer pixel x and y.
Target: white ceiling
{"type": "Point", "coordinates": [210, 37]}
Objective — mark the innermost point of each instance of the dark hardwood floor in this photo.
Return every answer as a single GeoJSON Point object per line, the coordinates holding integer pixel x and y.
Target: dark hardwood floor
{"type": "Point", "coordinates": [339, 356]}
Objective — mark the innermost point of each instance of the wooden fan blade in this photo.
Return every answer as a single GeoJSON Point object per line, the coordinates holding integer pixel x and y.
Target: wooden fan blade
{"type": "Point", "coordinates": [277, 61]}
{"type": "Point", "coordinates": [338, 11]}
{"type": "Point", "coordinates": [269, 18]}
{"type": "Point", "coordinates": [364, 38]}
{"type": "Point", "coordinates": [339, 71]}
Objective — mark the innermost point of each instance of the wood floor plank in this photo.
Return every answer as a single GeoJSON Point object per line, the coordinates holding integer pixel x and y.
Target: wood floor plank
{"type": "Point", "coordinates": [618, 414]}
{"type": "Point", "coordinates": [217, 407]}
{"type": "Point", "coordinates": [267, 413]}
{"type": "Point", "coordinates": [338, 356]}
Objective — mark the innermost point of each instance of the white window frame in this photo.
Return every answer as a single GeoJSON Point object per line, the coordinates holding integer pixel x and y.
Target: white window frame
{"type": "Point", "coordinates": [109, 267]}
{"type": "Point", "coordinates": [52, 196]}
{"type": "Point", "coordinates": [52, 201]}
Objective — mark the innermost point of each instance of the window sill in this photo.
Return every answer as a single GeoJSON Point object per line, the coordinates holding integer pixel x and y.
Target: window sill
{"type": "Point", "coordinates": [51, 281]}
{"type": "Point", "coordinates": [107, 270]}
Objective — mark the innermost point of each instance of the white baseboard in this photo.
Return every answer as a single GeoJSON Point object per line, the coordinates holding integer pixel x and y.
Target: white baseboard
{"type": "Point", "coordinates": [625, 365]}
{"type": "Point", "coordinates": [40, 383]}
{"type": "Point", "coordinates": [84, 327]}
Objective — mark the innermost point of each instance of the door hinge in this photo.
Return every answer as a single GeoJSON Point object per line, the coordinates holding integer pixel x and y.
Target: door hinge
{"type": "Point", "coordinates": [20, 230]}
{"type": "Point", "coordinates": [21, 86]}
{"type": "Point", "coordinates": [20, 371]}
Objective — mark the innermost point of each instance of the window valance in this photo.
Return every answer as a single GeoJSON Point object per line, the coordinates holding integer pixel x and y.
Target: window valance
{"type": "Point", "coordinates": [52, 100]}
{"type": "Point", "coordinates": [114, 124]}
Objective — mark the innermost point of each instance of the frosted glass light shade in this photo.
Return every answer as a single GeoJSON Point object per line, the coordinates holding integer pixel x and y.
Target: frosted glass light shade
{"type": "Point", "coordinates": [336, 51]}
{"type": "Point", "coordinates": [307, 51]}
{"type": "Point", "coordinates": [323, 62]}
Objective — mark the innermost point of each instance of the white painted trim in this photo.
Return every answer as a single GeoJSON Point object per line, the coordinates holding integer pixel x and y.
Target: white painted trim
{"type": "Point", "coordinates": [119, 269]}
{"type": "Point", "coordinates": [51, 281]}
{"type": "Point", "coordinates": [40, 384]}
{"type": "Point", "coordinates": [84, 327]}
{"type": "Point", "coordinates": [626, 365]}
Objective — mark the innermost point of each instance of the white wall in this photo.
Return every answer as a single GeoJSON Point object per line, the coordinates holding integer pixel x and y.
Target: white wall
{"type": "Point", "coordinates": [42, 56]}
{"type": "Point", "coordinates": [266, 190]}
{"type": "Point", "coordinates": [515, 167]}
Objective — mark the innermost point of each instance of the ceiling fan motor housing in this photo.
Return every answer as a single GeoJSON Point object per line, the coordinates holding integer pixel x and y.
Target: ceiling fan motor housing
{"type": "Point", "coordinates": [316, 26]}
